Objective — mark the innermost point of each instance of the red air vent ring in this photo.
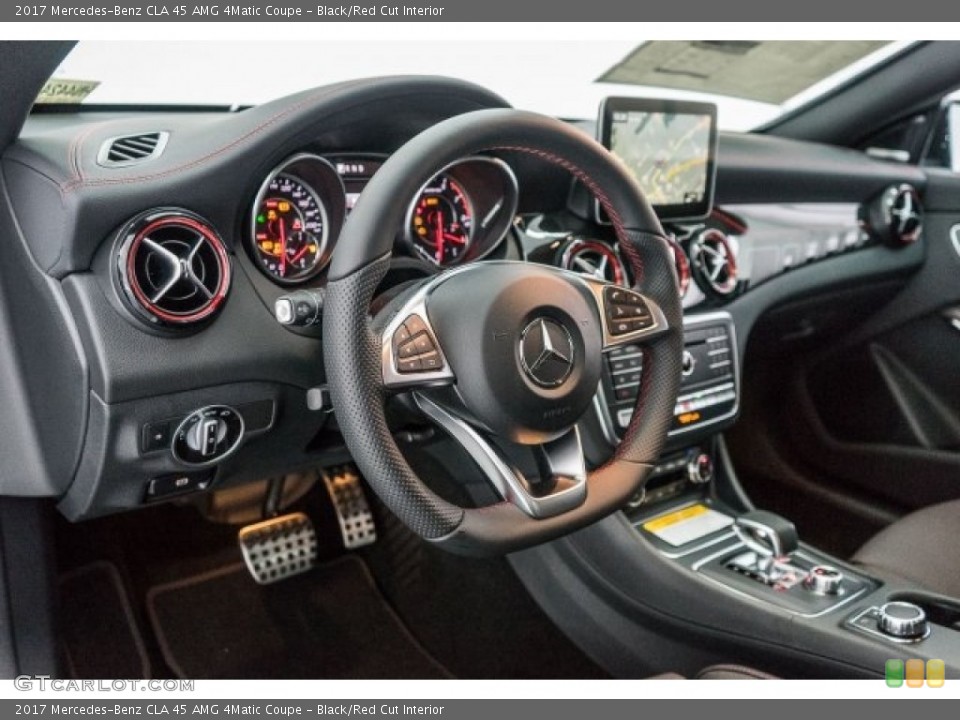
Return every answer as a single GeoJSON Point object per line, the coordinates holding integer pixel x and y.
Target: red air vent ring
{"type": "Point", "coordinates": [188, 254]}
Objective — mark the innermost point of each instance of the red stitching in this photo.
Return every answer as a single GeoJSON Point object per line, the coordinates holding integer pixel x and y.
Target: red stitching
{"type": "Point", "coordinates": [79, 181]}
{"type": "Point", "coordinates": [636, 263]}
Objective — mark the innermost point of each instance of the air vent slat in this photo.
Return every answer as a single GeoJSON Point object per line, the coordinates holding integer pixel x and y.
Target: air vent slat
{"type": "Point", "coordinates": [129, 150]}
{"type": "Point", "coordinates": [147, 141]}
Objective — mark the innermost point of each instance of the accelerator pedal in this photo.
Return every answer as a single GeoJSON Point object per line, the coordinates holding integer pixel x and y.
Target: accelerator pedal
{"type": "Point", "coordinates": [357, 528]}
{"type": "Point", "coordinates": [279, 548]}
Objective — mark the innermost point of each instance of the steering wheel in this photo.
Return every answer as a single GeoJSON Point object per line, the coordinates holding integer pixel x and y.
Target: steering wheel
{"type": "Point", "coordinates": [501, 352]}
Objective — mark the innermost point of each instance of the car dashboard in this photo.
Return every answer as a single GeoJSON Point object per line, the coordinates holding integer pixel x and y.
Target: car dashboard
{"type": "Point", "coordinates": [155, 248]}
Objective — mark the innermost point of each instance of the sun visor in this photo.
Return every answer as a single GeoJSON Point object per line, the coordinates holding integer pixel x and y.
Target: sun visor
{"type": "Point", "coordinates": [770, 72]}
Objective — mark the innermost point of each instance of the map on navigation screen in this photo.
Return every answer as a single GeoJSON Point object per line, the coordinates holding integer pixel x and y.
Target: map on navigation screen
{"type": "Point", "coordinates": [669, 151]}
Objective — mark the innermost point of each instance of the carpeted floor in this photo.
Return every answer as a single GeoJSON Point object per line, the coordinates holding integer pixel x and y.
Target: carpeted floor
{"type": "Point", "coordinates": [331, 622]}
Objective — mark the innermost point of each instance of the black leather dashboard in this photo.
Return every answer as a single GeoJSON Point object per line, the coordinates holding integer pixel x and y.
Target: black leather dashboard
{"type": "Point", "coordinates": [90, 377]}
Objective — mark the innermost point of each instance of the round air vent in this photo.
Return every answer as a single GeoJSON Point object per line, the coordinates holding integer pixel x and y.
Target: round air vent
{"type": "Point", "coordinates": [714, 262]}
{"type": "Point", "coordinates": [594, 259]}
{"type": "Point", "coordinates": [172, 267]}
{"type": "Point", "coordinates": [896, 215]}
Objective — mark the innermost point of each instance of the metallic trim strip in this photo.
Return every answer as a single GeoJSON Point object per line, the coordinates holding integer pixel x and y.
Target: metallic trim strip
{"type": "Point", "coordinates": [852, 625]}
{"type": "Point", "coordinates": [565, 455]}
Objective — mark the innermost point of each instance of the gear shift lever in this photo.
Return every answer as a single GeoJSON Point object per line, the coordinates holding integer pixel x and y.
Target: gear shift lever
{"type": "Point", "coordinates": [767, 534]}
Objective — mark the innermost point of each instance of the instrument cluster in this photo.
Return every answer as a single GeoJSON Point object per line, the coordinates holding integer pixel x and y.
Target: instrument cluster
{"type": "Point", "coordinates": [460, 215]}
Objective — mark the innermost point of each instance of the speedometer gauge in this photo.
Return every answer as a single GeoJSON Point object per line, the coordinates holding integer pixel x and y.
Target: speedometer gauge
{"type": "Point", "coordinates": [440, 221]}
{"type": "Point", "coordinates": [289, 229]}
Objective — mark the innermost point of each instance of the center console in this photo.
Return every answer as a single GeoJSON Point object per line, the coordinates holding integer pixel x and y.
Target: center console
{"type": "Point", "coordinates": [709, 388]}
{"type": "Point", "coordinates": [691, 571]}
{"type": "Point", "coordinates": [755, 554]}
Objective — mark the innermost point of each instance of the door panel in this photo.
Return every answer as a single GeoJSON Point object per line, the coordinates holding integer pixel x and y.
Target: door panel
{"type": "Point", "coordinates": [880, 415]}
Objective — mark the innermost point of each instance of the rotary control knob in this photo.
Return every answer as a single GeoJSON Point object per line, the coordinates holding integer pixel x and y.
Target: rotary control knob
{"type": "Point", "coordinates": [903, 620]}
{"type": "Point", "coordinates": [204, 436]}
{"type": "Point", "coordinates": [700, 469]}
{"type": "Point", "coordinates": [208, 435]}
{"type": "Point", "coordinates": [823, 580]}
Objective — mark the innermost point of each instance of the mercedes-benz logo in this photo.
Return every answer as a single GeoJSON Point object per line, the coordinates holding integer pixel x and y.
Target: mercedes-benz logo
{"type": "Point", "coordinates": [546, 352]}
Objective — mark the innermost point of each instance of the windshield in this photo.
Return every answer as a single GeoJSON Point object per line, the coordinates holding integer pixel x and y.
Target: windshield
{"type": "Point", "coordinates": [751, 82]}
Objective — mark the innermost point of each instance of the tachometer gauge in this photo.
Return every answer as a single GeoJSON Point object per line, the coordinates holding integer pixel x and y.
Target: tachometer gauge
{"type": "Point", "coordinates": [440, 221]}
{"type": "Point", "coordinates": [289, 229]}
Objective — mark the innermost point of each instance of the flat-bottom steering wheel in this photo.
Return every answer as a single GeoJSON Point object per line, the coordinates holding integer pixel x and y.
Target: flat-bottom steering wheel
{"type": "Point", "coordinates": [501, 352]}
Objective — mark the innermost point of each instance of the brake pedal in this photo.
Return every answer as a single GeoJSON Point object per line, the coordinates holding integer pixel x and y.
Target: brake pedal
{"type": "Point", "coordinates": [279, 548]}
{"type": "Point", "coordinates": [357, 528]}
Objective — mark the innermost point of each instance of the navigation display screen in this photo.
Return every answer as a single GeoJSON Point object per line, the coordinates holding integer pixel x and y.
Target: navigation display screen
{"type": "Point", "coordinates": [669, 146]}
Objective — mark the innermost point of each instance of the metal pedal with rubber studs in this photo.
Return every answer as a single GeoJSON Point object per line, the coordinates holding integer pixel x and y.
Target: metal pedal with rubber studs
{"type": "Point", "coordinates": [357, 528]}
{"type": "Point", "coordinates": [279, 548]}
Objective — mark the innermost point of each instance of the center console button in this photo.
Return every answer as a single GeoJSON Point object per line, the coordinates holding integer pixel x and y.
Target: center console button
{"type": "Point", "coordinates": [903, 620]}
{"type": "Point", "coordinates": [823, 580]}
{"type": "Point", "coordinates": [700, 469]}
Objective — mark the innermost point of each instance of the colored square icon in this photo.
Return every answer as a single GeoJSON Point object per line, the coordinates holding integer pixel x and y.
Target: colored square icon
{"type": "Point", "coordinates": [915, 670]}
{"type": "Point", "coordinates": [936, 673]}
{"type": "Point", "coordinates": [894, 673]}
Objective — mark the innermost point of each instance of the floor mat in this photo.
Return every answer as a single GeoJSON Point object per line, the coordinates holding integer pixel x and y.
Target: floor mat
{"type": "Point", "coordinates": [473, 615]}
{"type": "Point", "coordinates": [94, 605]}
{"type": "Point", "coordinates": [329, 623]}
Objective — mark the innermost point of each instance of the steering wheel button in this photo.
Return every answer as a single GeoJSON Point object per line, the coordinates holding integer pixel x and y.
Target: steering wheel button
{"type": "Point", "coordinates": [639, 324]}
{"type": "Point", "coordinates": [424, 343]}
{"type": "Point", "coordinates": [400, 336]}
{"type": "Point", "coordinates": [430, 361]}
{"type": "Point", "coordinates": [415, 325]}
{"type": "Point", "coordinates": [409, 365]}
{"type": "Point", "coordinates": [408, 350]}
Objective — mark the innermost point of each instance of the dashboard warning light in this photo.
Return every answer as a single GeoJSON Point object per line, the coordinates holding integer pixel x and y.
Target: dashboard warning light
{"type": "Point", "coordinates": [688, 418]}
{"type": "Point", "coordinates": [283, 206]}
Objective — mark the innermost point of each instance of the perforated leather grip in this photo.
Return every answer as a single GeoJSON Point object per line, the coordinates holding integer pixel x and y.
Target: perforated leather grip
{"type": "Point", "coordinates": [352, 357]}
